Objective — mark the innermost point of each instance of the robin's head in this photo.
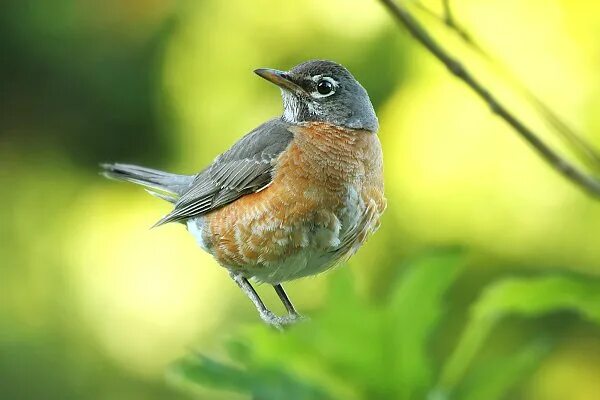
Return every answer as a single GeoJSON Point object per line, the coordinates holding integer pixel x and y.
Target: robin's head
{"type": "Point", "coordinates": [323, 91]}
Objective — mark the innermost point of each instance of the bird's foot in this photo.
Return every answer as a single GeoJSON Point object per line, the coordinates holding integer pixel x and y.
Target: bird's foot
{"type": "Point", "coordinates": [280, 323]}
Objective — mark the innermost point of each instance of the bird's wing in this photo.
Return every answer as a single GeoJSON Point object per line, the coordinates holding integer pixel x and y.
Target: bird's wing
{"type": "Point", "coordinates": [243, 169]}
{"type": "Point", "coordinates": [355, 236]}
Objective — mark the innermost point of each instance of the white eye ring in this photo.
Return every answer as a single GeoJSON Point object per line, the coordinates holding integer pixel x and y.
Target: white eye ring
{"type": "Point", "coordinates": [320, 78]}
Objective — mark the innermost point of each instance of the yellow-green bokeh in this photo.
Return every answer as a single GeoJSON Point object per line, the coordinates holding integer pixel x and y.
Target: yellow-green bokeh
{"type": "Point", "coordinates": [90, 293]}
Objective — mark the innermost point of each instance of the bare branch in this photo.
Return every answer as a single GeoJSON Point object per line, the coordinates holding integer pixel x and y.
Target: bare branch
{"type": "Point", "coordinates": [588, 154]}
{"type": "Point", "coordinates": [560, 164]}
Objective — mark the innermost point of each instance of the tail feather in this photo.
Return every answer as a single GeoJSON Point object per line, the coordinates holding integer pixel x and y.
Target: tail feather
{"type": "Point", "coordinates": [161, 184]}
{"type": "Point", "coordinates": [171, 198]}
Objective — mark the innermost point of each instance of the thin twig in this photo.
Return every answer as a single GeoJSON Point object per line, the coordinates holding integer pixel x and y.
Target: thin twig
{"type": "Point", "coordinates": [568, 170]}
{"type": "Point", "coordinates": [449, 22]}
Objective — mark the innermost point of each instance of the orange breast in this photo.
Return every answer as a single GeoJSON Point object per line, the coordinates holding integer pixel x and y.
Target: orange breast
{"type": "Point", "coordinates": [327, 190]}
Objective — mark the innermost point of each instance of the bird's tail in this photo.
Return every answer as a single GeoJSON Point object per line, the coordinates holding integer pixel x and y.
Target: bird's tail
{"type": "Point", "coordinates": [161, 184]}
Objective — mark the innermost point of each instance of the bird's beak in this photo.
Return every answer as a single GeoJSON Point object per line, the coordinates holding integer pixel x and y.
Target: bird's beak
{"type": "Point", "coordinates": [280, 78]}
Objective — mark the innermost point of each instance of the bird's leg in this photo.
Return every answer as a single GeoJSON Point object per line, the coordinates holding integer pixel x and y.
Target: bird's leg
{"type": "Point", "coordinates": [265, 314]}
{"type": "Point", "coordinates": [247, 288]}
{"type": "Point", "coordinates": [285, 299]}
{"type": "Point", "coordinates": [293, 315]}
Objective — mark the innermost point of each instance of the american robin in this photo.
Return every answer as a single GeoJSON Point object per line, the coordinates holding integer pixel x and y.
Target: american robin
{"type": "Point", "coordinates": [291, 198]}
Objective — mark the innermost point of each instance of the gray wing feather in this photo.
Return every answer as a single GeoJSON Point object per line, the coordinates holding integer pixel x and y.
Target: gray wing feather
{"type": "Point", "coordinates": [243, 169]}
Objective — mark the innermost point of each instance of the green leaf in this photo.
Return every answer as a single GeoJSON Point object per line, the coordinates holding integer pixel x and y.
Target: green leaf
{"type": "Point", "coordinates": [495, 378]}
{"type": "Point", "coordinates": [261, 383]}
{"type": "Point", "coordinates": [205, 371]}
{"type": "Point", "coordinates": [412, 316]}
{"type": "Point", "coordinates": [527, 297]}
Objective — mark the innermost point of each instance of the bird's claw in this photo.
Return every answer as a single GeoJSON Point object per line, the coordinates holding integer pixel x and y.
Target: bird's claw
{"type": "Point", "coordinates": [280, 323]}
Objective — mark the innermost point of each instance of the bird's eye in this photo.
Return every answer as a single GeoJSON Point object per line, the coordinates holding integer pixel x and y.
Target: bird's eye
{"type": "Point", "coordinates": [325, 87]}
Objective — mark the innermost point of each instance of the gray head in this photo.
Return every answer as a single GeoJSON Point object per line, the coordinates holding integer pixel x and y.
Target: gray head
{"type": "Point", "coordinates": [323, 91]}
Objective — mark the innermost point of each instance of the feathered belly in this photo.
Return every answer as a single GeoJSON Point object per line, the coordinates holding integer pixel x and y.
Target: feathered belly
{"type": "Point", "coordinates": [275, 243]}
{"type": "Point", "coordinates": [321, 206]}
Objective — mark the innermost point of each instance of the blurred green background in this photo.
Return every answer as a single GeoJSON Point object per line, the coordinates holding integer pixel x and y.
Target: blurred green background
{"type": "Point", "coordinates": [94, 305]}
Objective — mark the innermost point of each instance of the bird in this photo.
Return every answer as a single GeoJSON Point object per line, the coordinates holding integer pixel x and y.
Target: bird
{"type": "Point", "coordinates": [292, 198]}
